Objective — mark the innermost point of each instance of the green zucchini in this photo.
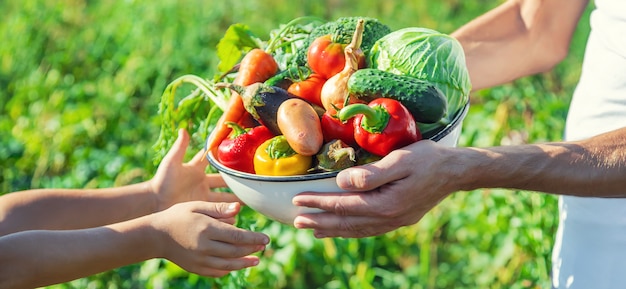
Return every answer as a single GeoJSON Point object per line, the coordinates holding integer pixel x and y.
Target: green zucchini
{"type": "Point", "coordinates": [423, 99]}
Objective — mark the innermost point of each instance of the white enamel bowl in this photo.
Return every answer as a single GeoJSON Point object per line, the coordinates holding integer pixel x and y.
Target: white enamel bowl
{"type": "Point", "coordinates": [271, 195]}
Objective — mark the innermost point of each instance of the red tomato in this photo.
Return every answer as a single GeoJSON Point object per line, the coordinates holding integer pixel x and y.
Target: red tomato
{"type": "Point", "coordinates": [326, 57]}
{"type": "Point", "coordinates": [309, 89]}
{"type": "Point", "coordinates": [333, 128]}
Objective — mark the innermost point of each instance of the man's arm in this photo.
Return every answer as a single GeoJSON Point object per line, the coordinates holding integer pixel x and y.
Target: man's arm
{"type": "Point", "coordinates": [594, 167]}
{"type": "Point", "coordinates": [403, 186]}
{"type": "Point", "coordinates": [518, 38]}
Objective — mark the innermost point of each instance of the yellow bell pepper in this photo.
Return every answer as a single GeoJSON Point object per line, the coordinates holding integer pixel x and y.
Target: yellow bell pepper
{"type": "Point", "coordinates": [275, 157]}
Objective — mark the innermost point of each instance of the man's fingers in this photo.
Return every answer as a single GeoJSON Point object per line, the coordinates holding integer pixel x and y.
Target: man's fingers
{"type": "Point", "coordinates": [326, 225]}
{"type": "Point", "coordinates": [371, 176]}
{"type": "Point", "coordinates": [342, 204]}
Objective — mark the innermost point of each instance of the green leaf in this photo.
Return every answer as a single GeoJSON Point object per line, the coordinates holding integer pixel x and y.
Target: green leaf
{"type": "Point", "coordinates": [237, 40]}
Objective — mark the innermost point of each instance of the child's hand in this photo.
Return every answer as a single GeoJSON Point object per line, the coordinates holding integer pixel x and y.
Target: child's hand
{"type": "Point", "coordinates": [193, 238]}
{"type": "Point", "coordinates": [176, 182]}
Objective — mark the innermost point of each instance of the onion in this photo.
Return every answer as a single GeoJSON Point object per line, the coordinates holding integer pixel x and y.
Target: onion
{"type": "Point", "coordinates": [334, 93]}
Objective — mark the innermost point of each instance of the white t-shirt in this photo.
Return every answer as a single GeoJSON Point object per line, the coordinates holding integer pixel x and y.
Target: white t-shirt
{"type": "Point", "coordinates": [590, 246]}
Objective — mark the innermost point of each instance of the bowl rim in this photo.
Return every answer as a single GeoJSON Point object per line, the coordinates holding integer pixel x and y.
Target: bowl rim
{"type": "Point", "coordinates": [456, 121]}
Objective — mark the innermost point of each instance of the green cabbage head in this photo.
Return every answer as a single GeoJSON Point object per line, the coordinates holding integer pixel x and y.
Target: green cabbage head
{"type": "Point", "coordinates": [430, 55]}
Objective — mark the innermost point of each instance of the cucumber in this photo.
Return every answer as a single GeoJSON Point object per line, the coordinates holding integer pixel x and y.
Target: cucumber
{"type": "Point", "coordinates": [423, 99]}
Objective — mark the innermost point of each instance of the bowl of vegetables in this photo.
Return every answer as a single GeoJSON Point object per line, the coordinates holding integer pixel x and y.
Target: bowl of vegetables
{"type": "Point", "coordinates": [272, 195]}
{"type": "Point", "coordinates": [292, 123]}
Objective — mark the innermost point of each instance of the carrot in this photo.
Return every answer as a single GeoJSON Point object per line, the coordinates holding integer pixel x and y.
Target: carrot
{"type": "Point", "coordinates": [256, 66]}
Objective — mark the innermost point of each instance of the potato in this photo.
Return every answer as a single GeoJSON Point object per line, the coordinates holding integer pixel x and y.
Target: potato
{"type": "Point", "coordinates": [300, 124]}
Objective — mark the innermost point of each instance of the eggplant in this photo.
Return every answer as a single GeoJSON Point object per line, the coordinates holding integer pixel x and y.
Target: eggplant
{"type": "Point", "coordinates": [261, 101]}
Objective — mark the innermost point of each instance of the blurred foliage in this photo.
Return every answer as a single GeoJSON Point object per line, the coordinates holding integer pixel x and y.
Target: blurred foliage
{"type": "Point", "coordinates": [80, 83]}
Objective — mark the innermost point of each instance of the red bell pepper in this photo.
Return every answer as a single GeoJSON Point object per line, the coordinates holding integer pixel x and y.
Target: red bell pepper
{"type": "Point", "coordinates": [382, 125]}
{"type": "Point", "coordinates": [237, 150]}
{"type": "Point", "coordinates": [333, 128]}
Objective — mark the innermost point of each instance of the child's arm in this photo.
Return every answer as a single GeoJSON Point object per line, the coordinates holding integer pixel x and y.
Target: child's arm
{"type": "Point", "coordinates": [53, 209]}
{"type": "Point", "coordinates": [188, 234]}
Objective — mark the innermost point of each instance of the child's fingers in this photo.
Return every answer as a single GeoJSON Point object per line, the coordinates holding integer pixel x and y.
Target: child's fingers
{"type": "Point", "coordinates": [218, 267]}
{"type": "Point", "coordinates": [227, 250]}
{"type": "Point", "coordinates": [222, 197]}
{"type": "Point", "coordinates": [216, 181]}
{"type": "Point", "coordinates": [176, 154]}
{"type": "Point", "coordinates": [199, 159]}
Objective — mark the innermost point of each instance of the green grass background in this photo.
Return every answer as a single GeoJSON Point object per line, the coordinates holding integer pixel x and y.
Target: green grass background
{"type": "Point", "coordinates": [80, 83]}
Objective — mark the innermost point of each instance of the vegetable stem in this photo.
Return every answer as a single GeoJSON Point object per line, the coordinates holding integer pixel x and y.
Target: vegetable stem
{"type": "Point", "coordinates": [279, 148]}
{"type": "Point", "coordinates": [276, 41]}
{"type": "Point", "coordinates": [237, 129]}
{"type": "Point", "coordinates": [208, 88]}
{"type": "Point", "coordinates": [352, 61]}
{"type": "Point", "coordinates": [240, 89]}
{"type": "Point", "coordinates": [374, 120]}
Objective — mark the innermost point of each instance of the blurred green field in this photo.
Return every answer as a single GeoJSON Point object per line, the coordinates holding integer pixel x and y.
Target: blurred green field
{"type": "Point", "coordinates": [80, 84]}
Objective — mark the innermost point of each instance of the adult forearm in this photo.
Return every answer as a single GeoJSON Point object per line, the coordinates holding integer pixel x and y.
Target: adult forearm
{"type": "Point", "coordinates": [518, 38]}
{"type": "Point", "coordinates": [52, 209]}
{"type": "Point", "coordinates": [594, 167]}
{"type": "Point", "coordinates": [37, 258]}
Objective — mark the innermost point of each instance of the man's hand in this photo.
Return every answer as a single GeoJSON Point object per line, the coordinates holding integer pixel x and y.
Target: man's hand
{"type": "Point", "coordinates": [393, 192]}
